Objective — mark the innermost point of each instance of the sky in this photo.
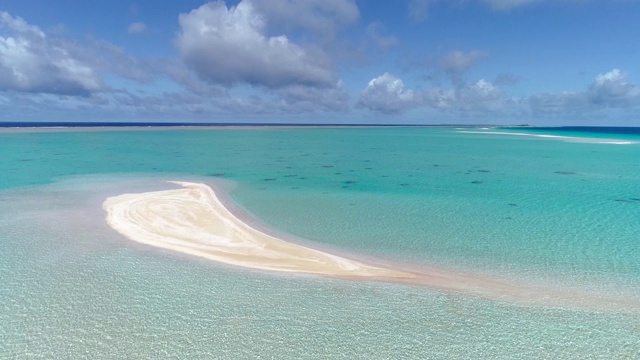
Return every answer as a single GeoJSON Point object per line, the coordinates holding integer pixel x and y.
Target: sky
{"type": "Point", "coordinates": [538, 62]}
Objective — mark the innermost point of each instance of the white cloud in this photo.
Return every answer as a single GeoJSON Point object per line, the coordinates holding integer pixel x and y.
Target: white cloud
{"type": "Point", "coordinates": [324, 17]}
{"type": "Point", "coordinates": [612, 89]}
{"type": "Point", "coordinates": [137, 28]}
{"type": "Point", "coordinates": [479, 96]}
{"type": "Point", "coordinates": [31, 62]}
{"type": "Point", "coordinates": [386, 94]}
{"type": "Point", "coordinates": [229, 46]}
{"type": "Point", "coordinates": [609, 90]}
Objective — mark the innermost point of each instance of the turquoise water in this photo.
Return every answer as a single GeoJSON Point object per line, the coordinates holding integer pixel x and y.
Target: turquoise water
{"type": "Point", "coordinates": [536, 210]}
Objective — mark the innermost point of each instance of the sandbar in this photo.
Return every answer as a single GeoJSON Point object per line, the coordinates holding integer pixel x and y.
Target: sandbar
{"type": "Point", "coordinates": [193, 220]}
{"type": "Point", "coordinates": [574, 139]}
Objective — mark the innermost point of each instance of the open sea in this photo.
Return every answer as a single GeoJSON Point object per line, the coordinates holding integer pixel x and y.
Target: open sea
{"type": "Point", "coordinates": [557, 207]}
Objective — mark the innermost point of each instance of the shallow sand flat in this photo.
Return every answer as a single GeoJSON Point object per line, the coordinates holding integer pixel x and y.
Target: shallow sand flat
{"type": "Point", "coordinates": [193, 220]}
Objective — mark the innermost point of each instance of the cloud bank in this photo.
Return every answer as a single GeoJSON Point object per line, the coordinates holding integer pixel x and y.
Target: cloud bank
{"type": "Point", "coordinates": [611, 90]}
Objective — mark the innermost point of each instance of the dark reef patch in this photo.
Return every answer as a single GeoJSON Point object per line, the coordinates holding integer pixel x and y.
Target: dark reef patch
{"type": "Point", "coordinates": [628, 201]}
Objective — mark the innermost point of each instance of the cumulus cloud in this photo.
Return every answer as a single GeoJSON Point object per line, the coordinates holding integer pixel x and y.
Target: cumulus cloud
{"type": "Point", "coordinates": [608, 90]}
{"type": "Point", "coordinates": [387, 94]}
{"type": "Point", "coordinates": [613, 90]}
{"type": "Point", "coordinates": [479, 96]}
{"type": "Point", "coordinates": [323, 17]}
{"type": "Point", "coordinates": [137, 28]}
{"type": "Point", "coordinates": [32, 62]}
{"type": "Point", "coordinates": [229, 46]}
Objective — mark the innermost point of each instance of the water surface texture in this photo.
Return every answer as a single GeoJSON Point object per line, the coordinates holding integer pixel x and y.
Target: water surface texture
{"type": "Point", "coordinates": [554, 211]}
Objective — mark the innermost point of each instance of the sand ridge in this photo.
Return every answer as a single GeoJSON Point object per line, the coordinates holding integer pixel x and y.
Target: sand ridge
{"type": "Point", "coordinates": [193, 220]}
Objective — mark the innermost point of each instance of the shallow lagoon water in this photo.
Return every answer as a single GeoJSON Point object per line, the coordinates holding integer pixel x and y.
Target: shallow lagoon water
{"type": "Point", "coordinates": [531, 209]}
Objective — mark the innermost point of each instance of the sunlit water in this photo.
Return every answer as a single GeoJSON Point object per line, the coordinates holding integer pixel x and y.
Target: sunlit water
{"type": "Point", "coordinates": [540, 210]}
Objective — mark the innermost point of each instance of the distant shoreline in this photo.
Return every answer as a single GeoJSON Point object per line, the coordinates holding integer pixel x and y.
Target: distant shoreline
{"type": "Point", "coordinates": [95, 127]}
{"type": "Point", "coordinates": [155, 125]}
{"type": "Point", "coordinates": [40, 127]}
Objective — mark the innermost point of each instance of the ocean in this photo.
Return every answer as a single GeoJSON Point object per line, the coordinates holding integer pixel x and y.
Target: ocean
{"type": "Point", "coordinates": [542, 207]}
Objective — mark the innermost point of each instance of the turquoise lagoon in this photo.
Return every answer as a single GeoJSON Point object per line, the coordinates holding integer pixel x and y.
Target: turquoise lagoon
{"type": "Point", "coordinates": [559, 212]}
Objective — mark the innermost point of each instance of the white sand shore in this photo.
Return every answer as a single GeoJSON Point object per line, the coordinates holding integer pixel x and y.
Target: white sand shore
{"type": "Point", "coordinates": [574, 139]}
{"type": "Point", "coordinates": [193, 220]}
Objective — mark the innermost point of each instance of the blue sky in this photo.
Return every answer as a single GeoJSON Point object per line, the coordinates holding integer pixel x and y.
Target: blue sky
{"type": "Point", "coordinates": [542, 62]}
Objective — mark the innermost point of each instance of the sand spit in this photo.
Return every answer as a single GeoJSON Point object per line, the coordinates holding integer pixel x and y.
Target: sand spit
{"type": "Point", "coordinates": [575, 139]}
{"type": "Point", "coordinates": [193, 220]}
